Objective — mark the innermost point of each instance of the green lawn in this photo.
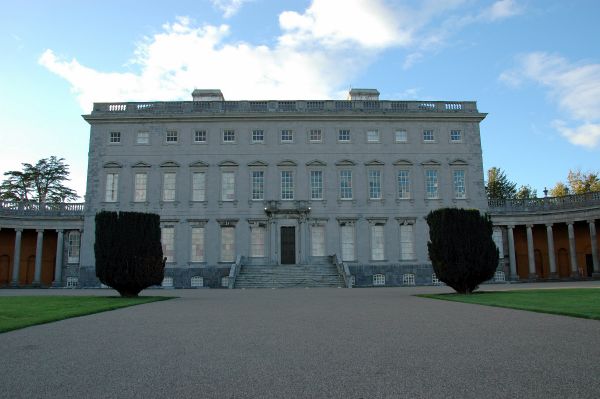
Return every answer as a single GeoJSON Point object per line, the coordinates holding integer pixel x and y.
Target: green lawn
{"type": "Point", "coordinates": [23, 311]}
{"type": "Point", "coordinates": [577, 302]}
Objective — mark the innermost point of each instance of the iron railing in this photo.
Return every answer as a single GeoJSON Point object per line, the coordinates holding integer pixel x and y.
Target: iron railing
{"type": "Point", "coordinates": [532, 205]}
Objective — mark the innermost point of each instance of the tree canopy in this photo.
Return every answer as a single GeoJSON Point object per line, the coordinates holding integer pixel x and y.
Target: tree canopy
{"type": "Point", "coordinates": [42, 182]}
{"type": "Point", "coordinates": [498, 186]}
{"type": "Point", "coordinates": [578, 182]}
{"type": "Point", "coordinates": [526, 192]}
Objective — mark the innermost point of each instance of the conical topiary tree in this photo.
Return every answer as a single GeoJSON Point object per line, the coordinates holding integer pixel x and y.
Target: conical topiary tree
{"type": "Point", "coordinates": [128, 251]}
{"type": "Point", "coordinates": [461, 248]}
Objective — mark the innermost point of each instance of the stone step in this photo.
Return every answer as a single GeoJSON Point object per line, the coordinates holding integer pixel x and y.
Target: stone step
{"type": "Point", "coordinates": [282, 276]}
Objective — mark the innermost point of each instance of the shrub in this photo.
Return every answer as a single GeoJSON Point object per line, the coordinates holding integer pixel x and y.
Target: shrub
{"type": "Point", "coordinates": [461, 248]}
{"type": "Point", "coordinates": [128, 251]}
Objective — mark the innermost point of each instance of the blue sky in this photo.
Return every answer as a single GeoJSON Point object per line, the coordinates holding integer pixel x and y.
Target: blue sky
{"type": "Point", "coordinates": [534, 66]}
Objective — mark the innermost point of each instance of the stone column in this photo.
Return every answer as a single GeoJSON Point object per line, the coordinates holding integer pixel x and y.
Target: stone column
{"type": "Point", "coordinates": [59, 259]}
{"type": "Point", "coordinates": [300, 238]}
{"type": "Point", "coordinates": [594, 240]}
{"type": "Point", "coordinates": [551, 254]}
{"type": "Point", "coordinates": [274, 249]}
{"type": "Point", "coordinates": [530, 253]}
{"type": "Point", "coordinates": [16, 258]}
{"type": "Point", "coordinates": [37, 275]}
{"type": "Point", "coordinates": [511, 254]}
{"type": "Point", "coordinates": [572, 253]}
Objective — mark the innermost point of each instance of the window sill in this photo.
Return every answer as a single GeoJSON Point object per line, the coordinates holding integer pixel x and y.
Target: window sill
{"type": "Point", "coordinates": [400, 200]}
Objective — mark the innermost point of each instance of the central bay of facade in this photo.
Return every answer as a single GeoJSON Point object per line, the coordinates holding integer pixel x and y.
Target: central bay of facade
{"type": "Point", "coordinates": [285, 182]}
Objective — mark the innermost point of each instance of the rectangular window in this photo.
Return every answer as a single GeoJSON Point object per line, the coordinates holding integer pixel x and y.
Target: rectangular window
{"type": "Point", "coordinates": [172, 136]}
{"type": "Point", "coordinates": [227, 186]}
{"type": "Point", "coordinates": [377, 242]}
{"type": "Point", "coordinates": [73, 245]}
{"type": "Point", "coordinates": [374, 184]}
{"type": "Point", "coordinates": [287, 136]}
{"type": "Point", "coordinates": [197, 247]}
{"type": "Point", "coordinates": [316, 184]}
{"type": "Point", "coordinates": [345, 184]}
{"type": "Point", "coordinates": [401, 136]}
{"type": "Point", "coordinates": [257, 242]}
{"type": "Point", "coordinates": [197, 282]}
{"type": "Point", "coordinates": [347, 235]}
{"type": "Point", "coordinates": [112, 187]}
{"type": "Point", "coordinates": [403, 184]}
{"type": "Point", "coordinates": [143, 138]}
{"type": "Point", "coordinates": [200, 136]}
{"type": "Point", "coordinates": [227, 244]}
{"type": "Point", "coordinates": [459, 184]}
{"type": "Point", "coordinates": [407, 242]}
{"type": "Point", "coordinates": [497, 237]}
{"type": "Point", "coordinates": [229, 136]}
{"type": "Point", "coordinates": [141, 184]}
{"type": "Point", "coordinates": [258, 184]}
{"type": "Point", "coordinates": [287, 185]}
{"type": "Point", "coordinates": [198, 186]}
{"type": "Point", "coordinates": [258, 136]}
{"type": "Point", "coordinates": [167, 238]}
{"type": "Point", "coordinates": [169, 180]}
{"type": "Point", "coordinates": [315, 136]}
{"type": "Point", "coordinates": [317, 241]}
{"type": "Point", "coordinates": [431, 184]}
{"type": "Point", "coordinates": [379, 279]}
{"type": "Point", "coordinates": [115, 137]}
{"type": "Point", "coordinates": [344, 135]}
{"type": "Point", "coordinates": [373, 136]}
{"type": "Point", "coordinates": [455, 135]}
{"type": "Point", "coordinates": [428, 136]}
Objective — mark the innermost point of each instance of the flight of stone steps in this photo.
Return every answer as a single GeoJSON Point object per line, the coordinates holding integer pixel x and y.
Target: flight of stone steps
{"type": "Point", "coordinates": [286, 276]}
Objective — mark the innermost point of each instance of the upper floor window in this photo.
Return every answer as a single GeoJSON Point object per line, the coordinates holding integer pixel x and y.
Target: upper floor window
{"type": "Point", "coordinates": [229, 136]}
{"type": "Point", "coordinates": [374, 184]}
{"type": "Point", "coordinates": [459, 183]}
{"type": "Point", "coordinates": [114, 138]}
{"type": "Point", "coordinates": [200, 136]}
{"type": "Point", "coordinates": [227, 186]}
{"type": "Point", "coordinates": [172, 136]}
{"type": "Point", "coordinates": [403, 184]}
{"type": "Point", "coordinates": [373, 136]}
{"type": "Point", "coordinates": [141, 183]}
{"type": "Point", "coordinates": [315, 136]}
{"type": "Point", "coordinates": [112, 187]}
{"type": "Point", "coordinates": [287, 185]}
{"type": "Point", "coordinates": [258, 136]}
{"type": "Point", "coordinates": [258, 184]}
{"type": "Point", "coordinates": [344, 135]}
{"type": "Point", "coordinates": [431, 184]}
{"type": "Point", "coordinates": [428, 136]}
{"type": "Point", "coordinates": [287, 136]}
{"type": "Point", "coordinates": [316, 184]}
{"type": "Point", "coordinates": [143, 138]}
{"type": "Point", "coordinates": [198, 186]}
{"type": "Point", "coordinates": [401, 136]}
{"type": "Point", "coordinates": [169, 180]}
{"type": "Point", "coordinates": [455, 135]}
{"type": "Point", "coordinates": [345, 184]}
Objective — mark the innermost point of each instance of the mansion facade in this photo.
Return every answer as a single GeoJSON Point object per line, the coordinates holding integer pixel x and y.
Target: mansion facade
{"type": "Point", "coordinates": [243, 186]}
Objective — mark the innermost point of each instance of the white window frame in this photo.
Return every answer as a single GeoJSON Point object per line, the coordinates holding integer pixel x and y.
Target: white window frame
{"type": "Point", "coordinates": [315, 136]}
{"type": "Point", "coordinates": [374, 187]}
{"type": "Point", "coordinates": [258, 237]}
{"type": "Point", "coordinates": [286, 136]}
{"type": "Point", "coordinates": [456, 136]}
{"type": "Point", "coordinates": [348, 247]}
{"type": "Point", "coordinates": [228, 136]}
{"type": "Point", "coordinates": [256, 134]}
{"type": "Point", "coordinates": [459, 183]}
{"type": "Point", "coordinates": [111, 192]}
{"type": "Point", "coordinates": [344, 132]}
{"type": "Point", "coordinates": [377, 235]}
{"type": "Point", "coordinates": [72, 282]}
{"type": "Point", "coordinates": [373, 136]}
{"type": "Point", "coordinates": [140, 187]}
{"type": "Point", "coordinates": [169, 186]}
{"type": "Point", "coordinates": [428, 136]}
{"type": "Point", "coordinates": [73, 246]}
{"type": "Point", "coordinates": [408, 279]}
{"type": "Point", "coordinates": [403, 194]}
{"type": "Point", "coordinates": [287, 186]}
{"type": "Point", "coordinates": [167, 239]}
{"type": "Point", "coordinates": [257, 185]}
{"type": "Point", "coordinates": [199, 186]}
{"type": "Point", "coordinates": [114, 138]}
{"type": "Point", "coordinates": [167, 282]}
{"type": "Point", "coordinates": [401, 136]}
{"type": "Point", "coordinates": [345, 193]}
{"type": "Point", "coordinates": [407, 241]}
{"type": "Point", "coordinates": [227, 247]}
{"type": "Point", "coordinates": [318, 241]}
{"type": "Point", "coordinates": [432, 180]}
{"type": "Point", "coordinates": [200, 136]}
{"type": "Point", "coordinates": [316, 186]}
{"type": "Point", "coordinates": [197, 282]}
{"type": "Point", "coordinates": [142, 138]}
{"type": "Point", "coordinates": [197, 244]}
{"type": "Point", "coordinates": [171, 137]}
{"type": "Point", "coordinates": [379, 280]}
{"type": "Point", "coordinates": [227, 186]}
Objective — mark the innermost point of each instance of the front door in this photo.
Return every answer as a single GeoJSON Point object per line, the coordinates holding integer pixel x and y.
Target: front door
{"type": "Point", "coordinates": [288, 245]}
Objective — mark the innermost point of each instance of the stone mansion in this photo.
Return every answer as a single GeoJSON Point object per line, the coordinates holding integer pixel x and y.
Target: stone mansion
{"type": "Point", "coordinates": [327, 190]}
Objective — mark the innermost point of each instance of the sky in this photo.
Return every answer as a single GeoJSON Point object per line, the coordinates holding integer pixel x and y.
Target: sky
{"type": "Point", "coordinates": [532, 65]}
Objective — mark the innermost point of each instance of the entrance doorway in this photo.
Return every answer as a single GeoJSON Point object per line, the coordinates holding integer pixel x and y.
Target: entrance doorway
{"type": "Point", "coordinates": [288, 245]}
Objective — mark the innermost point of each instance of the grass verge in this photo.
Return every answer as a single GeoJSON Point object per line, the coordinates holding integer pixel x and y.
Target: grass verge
{"type": "Point", "coordinates": [576, 302]}
{"type": "Point", "coordinates": [24, 311]}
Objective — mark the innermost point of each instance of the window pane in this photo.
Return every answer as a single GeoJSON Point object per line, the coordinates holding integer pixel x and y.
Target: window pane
{"type": "Point", "coordinates": [428, 135]}
{"type": "Point", "coordinates": [403, 184]}
{"type": "Point", "coordinates": [141, 180]}
{"type": "Point", "coordinates": [401, 136]}
{"type": "Point", "coordinates": [198, 186]}
{"type": "Point", "coordinates": [459, 184]}
{"type": "Point", "coordinates": [377, 243]}
{"type": "Point", "coordinates": [227, 186]}
{"type": "Point", "coordinates": [407, 246]}
{"type": "Point", "coordinates": [431, 184]}
{"type": "Point", "coordinates": [169, 186]}
{"type": "Point", "coordinates": [197, 254]}
{"type": "Point", "coordinates": [258, 136]}
{"type": "Point", "coordinates": [171, 136]}
{"type": "Point", "coordinates": [346, 184]}
{"type": "Point", "coordinates": [227, 244]}
{"type": "Point", "coordinates": [344, 135]}
{"type": "Point", "coordinates": [229, 136]}
{"type": "Point", "coordinates": [374, 184]}
{"type": "Point", "coordinates": [347, 233]}
{"type": "Point", "coordinates": [143, 138]}
{"type": "Point", "coordinates": [112, 184]}
{"type": "Point", "coordinates": [287, 185]}
{"type": "Point", "coordinates": [317, 240]}
{"type": "Point", "coordinates": [287, 136]}
{"type": "Point", "coordinates": [455, 135]}
{"type": "Point", "coordinates": [73, 246]}
{"type": "Point", "coordinates": [258, 184]}
{"type": "Point", "coordinates": [167, 238]}
{"type": "Point", "coordinates": [316, 184]}
{"type": "Point", "coordinates": [315, 135]}
{"type": "Point", "coordinates": [373, 136]}
{"type": "Point", "coordinates": [257, 242]}
{"type": "Point", "coordinates": [200, 136]}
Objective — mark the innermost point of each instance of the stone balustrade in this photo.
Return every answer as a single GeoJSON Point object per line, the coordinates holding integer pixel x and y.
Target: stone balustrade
{"type": "Point", "coordinates": [32, 209]}
{"type": "Point", "coordinates": [535, 205]}
{"type": "Point", "coordinates": [249, 107]}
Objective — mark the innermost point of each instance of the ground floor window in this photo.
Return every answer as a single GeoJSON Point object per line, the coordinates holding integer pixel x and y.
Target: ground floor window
{"type": "Point", "coordinates": [197, 254]}
{"type": "Point", "coordinates": [167, 238]}
{"type": "Point", "coordinates": [196, 282]}
{"type": "Point", "coordinates": [73, 245]}
{"type": "Point", "coordinates": [227, 244]}
{"type": "Point", "coordinates": [379, 279]}
{"type": "Point", "coordinates": [377, 242]}
{"type": "Point", "coordinates": [347, 233]}
{"type": "Point", "coordinates": [407, 242]}
{"type": "Point", "coordinates": [317, 241]}
{"type": "Point", "coordinates": [257, 241]}
{"type": "Point", "coordinates": [408, 279]}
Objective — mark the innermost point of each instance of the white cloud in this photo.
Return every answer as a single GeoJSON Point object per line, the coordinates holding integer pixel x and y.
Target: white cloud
{"type": "Point", "coordinates": [229, 7]}
{"type": "Point", "coordinates": [502, 9]}
{"type": "Point", "coordinates": [315, 56]}
{"type": "Point", "coordinates": [575, 87]}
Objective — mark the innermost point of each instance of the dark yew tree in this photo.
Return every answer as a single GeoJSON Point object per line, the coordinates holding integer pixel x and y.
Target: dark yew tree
{"type": "Point", "coordinates": [461, 248]}
{"type": "Point", "coordinates": [128, 251]}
